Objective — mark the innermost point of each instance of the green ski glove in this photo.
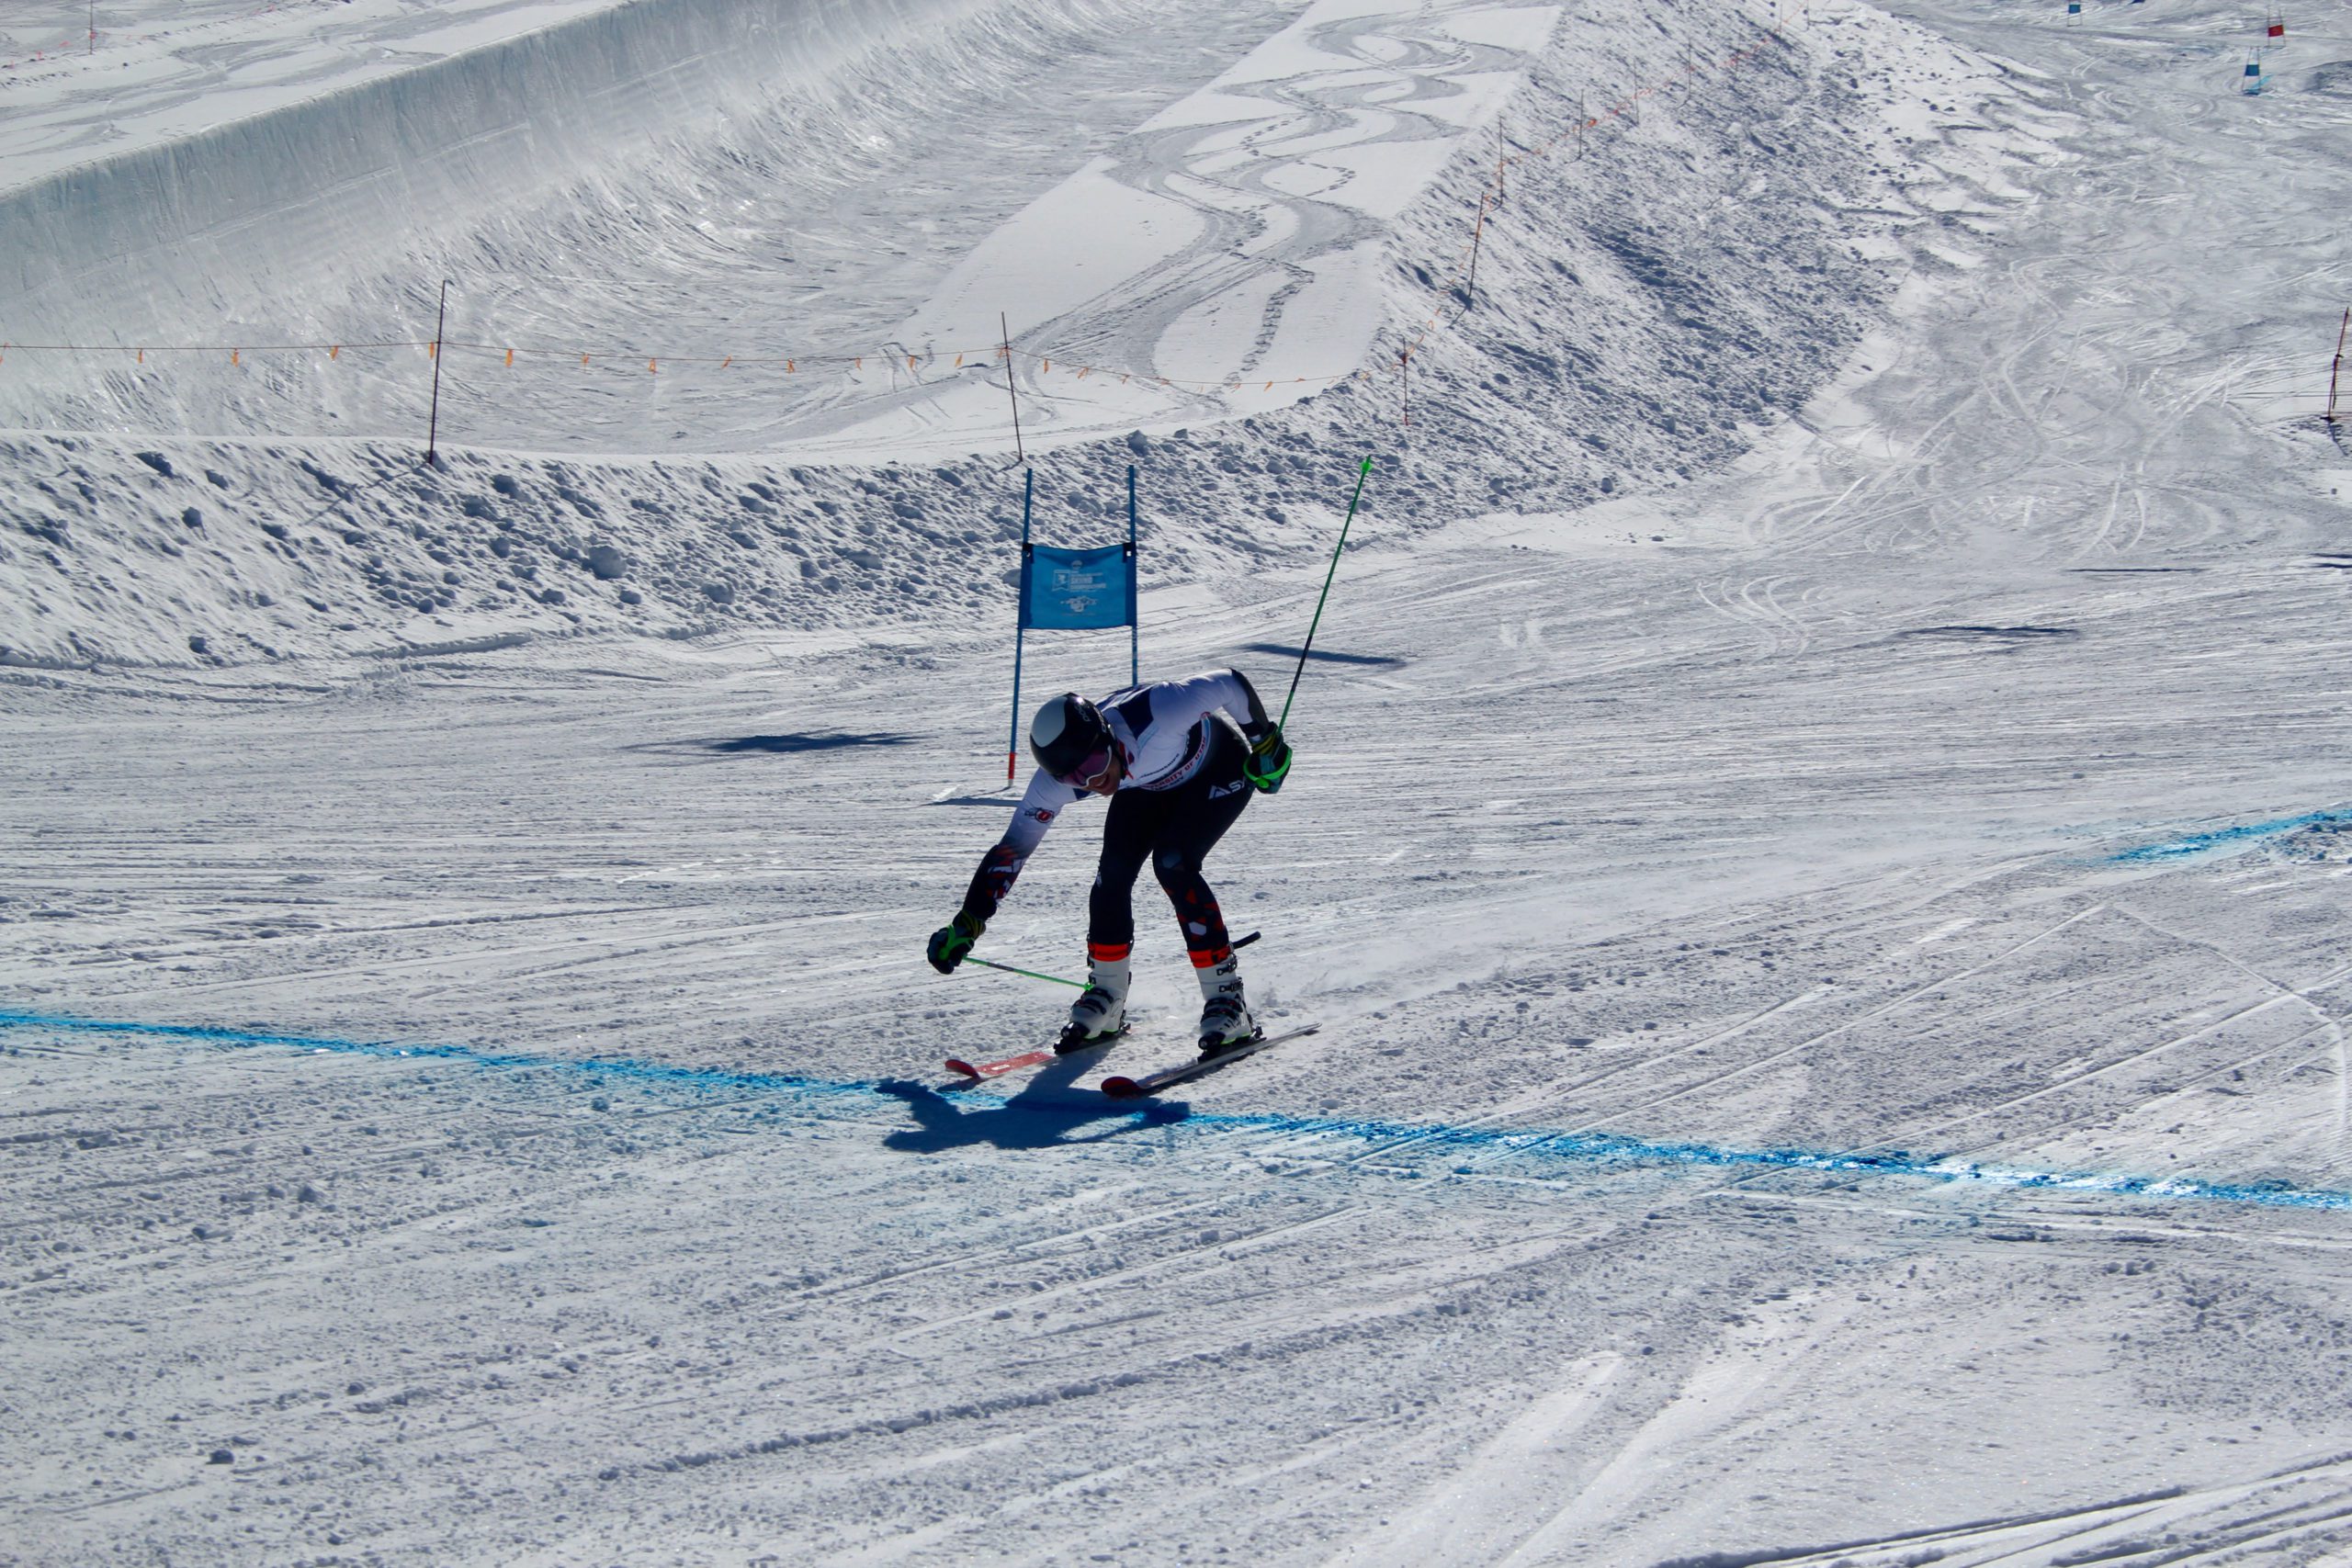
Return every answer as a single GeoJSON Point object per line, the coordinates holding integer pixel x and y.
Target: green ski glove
{"type": "Point", "coordinates": [1269, 760]}
{"type": "Point", "coordinates": [951, 942]}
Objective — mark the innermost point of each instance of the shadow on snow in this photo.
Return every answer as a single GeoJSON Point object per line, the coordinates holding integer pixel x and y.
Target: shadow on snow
{"type": "Point", "coordinates": [777, 745]}
{"type": "Point", "coordinates": [1284, 650]}
{"type": "Point", "coordinates": [1045, 1114]}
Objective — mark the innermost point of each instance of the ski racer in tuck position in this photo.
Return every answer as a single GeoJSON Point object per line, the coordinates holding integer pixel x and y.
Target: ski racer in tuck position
{"type": "Point", "coordinates": [1179, 760]}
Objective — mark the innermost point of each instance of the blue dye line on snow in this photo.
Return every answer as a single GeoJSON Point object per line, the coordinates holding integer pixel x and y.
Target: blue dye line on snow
{"type": "Point", "coordinates": [2197, 843]}
{"type": "Point", "coordinates": [1396, 1137]}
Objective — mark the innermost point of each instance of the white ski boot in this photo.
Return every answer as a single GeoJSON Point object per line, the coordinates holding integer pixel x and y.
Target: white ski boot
{"type": "Point", "coordinates": [1224, 1016]}
{"type": "Point", "coordinates": [1100, 1015]}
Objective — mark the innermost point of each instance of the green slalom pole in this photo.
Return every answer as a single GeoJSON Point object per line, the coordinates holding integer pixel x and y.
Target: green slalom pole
{"type": "Point", "coordinates": [1363, 474]}
{"type": "Point", "coordinates": [1056, 979]}
{"type": "Point", "coordinates": [1030, 974]}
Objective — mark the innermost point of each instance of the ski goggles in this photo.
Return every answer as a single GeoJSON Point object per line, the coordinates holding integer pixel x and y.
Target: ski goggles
{"type": "Point", "coordinates": [1091, 773]}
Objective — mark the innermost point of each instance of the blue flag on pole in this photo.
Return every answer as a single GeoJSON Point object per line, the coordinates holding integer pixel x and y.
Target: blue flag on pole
{"type": "Point", "coordinates": [1063, 590]}
{"type": "Point", "coordinates": [1066, 590]}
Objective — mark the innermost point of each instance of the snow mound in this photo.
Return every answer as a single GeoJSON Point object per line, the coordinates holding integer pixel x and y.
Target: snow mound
{"type": "Point", "coordinates": [1650, 297]}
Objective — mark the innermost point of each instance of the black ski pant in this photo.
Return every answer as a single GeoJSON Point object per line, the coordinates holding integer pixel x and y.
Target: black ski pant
{"type": "Point", "coordinates": [1175, 829]}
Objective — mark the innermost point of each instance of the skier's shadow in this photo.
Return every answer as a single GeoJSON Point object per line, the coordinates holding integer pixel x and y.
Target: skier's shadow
{"type": "Point", "coordinates": [1047, 1113]}
{"type": "Point", "coordinates": [1283, 650]}
{"type": "Point", "coordinates": [772, 745]}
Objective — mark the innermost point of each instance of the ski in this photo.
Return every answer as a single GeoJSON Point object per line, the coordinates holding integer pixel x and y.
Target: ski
{"type": "Point", "coordinates": [998, 1067]}
{"type": "Point", "coordinates": [1003, 1064]}
{"type": "Point", "coordinates": [975, 1071]}
{"type": "Point", "coordinates": [1119, 1087]}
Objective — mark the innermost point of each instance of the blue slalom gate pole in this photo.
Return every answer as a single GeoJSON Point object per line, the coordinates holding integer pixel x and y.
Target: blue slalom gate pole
{"type": "Point", "coordinates": [1134, 600]}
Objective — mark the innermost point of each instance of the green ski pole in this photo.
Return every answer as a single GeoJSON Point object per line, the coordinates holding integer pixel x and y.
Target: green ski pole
{"type": "Point", "coordinates": [1032, 974]}
{"type": "Point", "coordinates": [1056, 979]}
{"type": "Point", "coordinates": [1362, 474]}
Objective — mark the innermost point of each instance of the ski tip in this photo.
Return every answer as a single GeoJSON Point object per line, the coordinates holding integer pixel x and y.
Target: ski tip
{"type": "Point", "coordinates": [956, 1065]}
{"type": "Point", "coordinates": [1122, 1087]}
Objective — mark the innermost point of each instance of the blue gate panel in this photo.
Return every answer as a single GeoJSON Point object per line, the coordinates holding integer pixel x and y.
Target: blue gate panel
{"type": "Point", "coordinates": [1075, 589]}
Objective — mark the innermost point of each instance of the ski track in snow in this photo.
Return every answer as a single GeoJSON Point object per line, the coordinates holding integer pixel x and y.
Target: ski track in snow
{"type": "Point", "coordinates": [1930, 740]}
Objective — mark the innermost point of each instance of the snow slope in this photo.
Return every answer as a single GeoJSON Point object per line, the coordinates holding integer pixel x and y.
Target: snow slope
{"type": "Point", "coordinates": [1580, 321]}
{"type": "Point", "coordinates": [1829, 963]}
{"type": "Point", "coordinates": [663, 148]}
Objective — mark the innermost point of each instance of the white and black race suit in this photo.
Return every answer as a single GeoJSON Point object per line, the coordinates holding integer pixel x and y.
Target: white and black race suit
{"type": "Point", "coordinates": [1180, 787]}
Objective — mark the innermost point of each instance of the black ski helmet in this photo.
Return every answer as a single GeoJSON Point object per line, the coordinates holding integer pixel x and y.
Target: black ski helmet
{"type": "Point", "coordinates": [1066, 732]}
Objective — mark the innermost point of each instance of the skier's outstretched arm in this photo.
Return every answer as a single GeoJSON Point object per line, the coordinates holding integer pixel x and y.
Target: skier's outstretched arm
{"type": "Point", "coordinates": [1000, 868]}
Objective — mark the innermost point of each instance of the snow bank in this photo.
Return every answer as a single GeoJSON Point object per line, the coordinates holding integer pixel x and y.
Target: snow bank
{"type": "Point", "coordinates": [244, 215]}
{"type": "Point", "coordinates": [647, 181]}
{"type": "Point", "coordinates": [1644, 311]}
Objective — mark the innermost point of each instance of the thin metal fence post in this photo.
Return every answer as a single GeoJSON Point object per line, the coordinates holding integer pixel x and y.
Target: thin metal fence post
{"type": "Point", "coordinates": [1020, 625]}
{"type": "Point", "coordinates": [433, 422]}
{"type": "Point", "coordinates": [1018, 455]}
{"type": "Point", "coordinates": [1470, 294]}
{"type": "Point", "coordinates": [2335, 370]}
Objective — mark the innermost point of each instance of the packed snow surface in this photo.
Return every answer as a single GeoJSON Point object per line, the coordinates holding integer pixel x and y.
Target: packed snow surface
{"type": "Point", "coordinates": [1817, 851]}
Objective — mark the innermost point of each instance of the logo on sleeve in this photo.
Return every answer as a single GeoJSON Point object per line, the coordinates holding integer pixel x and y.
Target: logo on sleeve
{"type": "Point", "coordinates": [1042, 814]}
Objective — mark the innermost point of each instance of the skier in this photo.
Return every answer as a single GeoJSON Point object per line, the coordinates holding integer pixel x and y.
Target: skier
{"type": "Point", "coordinates": [1178, 758]}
